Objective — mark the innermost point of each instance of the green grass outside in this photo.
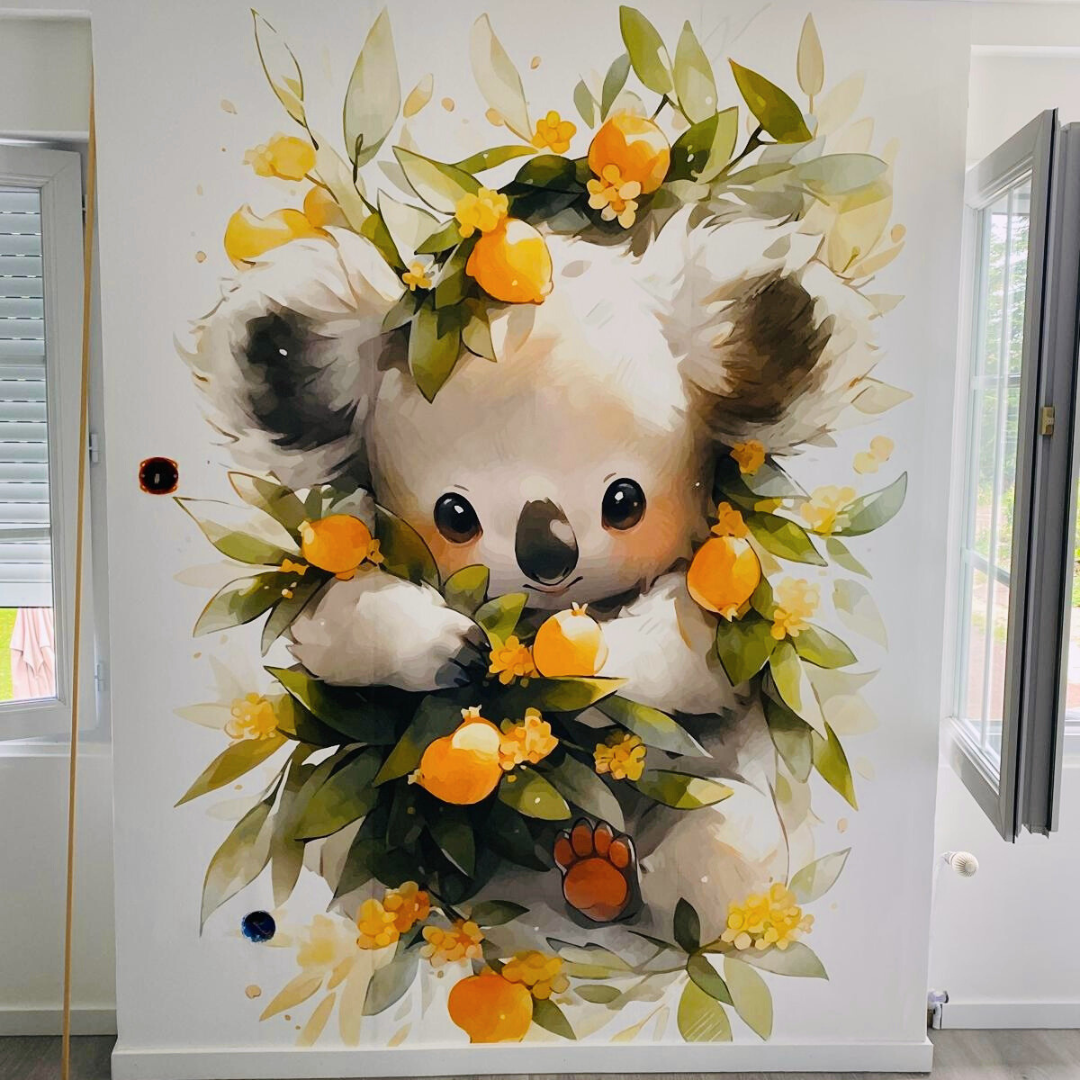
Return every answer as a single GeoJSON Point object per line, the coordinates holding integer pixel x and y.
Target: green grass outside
{"type": "Point", "coordinates": [7, 626]}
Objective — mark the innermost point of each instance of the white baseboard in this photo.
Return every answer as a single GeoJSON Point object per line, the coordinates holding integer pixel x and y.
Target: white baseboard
{"type": "Point", "coordinates": [1010, 1014]}
{"type": "Point", "coordinates": [19, 1021]}
{"type": "Point", "coordinates": [289, 1063]}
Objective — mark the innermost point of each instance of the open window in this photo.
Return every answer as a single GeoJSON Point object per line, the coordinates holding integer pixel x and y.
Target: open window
{"type": "Point", "coordinates": [1017, 492]}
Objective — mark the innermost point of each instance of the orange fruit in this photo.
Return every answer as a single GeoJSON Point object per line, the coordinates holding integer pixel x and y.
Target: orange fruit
{"type": "Point", "coordinates": [463, 767]}
{"type": "Point", "coordinates": [723, 575]}
{"type": "Point", "coordinates": [247, 236]}
{"type": "Point", "coordinates": [635, 146]}
{"type": "Point", "coordinates": [512, 263]}
{"type": "Point", "coordinates": [489, 1008]}
{"type": "Point", "coordinates": [338, 543]}
{"type": "Point", "coordinates": [321, 208]}
{"type": "Point", "coordinates": [570, 643]}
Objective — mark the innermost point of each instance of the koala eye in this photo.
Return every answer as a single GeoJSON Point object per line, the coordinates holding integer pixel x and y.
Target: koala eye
{"type": "Point", "coordinates": [624, 505]}
{"type": "Point", "coordinates": [456, 519]}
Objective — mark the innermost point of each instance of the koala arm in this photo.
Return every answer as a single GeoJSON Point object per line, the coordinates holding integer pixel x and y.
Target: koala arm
{"type": "Point", "coordinates": [379, 629]}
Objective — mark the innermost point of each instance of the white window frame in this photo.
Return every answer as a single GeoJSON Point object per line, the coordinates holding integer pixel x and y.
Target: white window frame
{"type": "Point", "coordinates": [57, 175]}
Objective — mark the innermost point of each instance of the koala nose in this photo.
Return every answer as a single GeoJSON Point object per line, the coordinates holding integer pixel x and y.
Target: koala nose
{"type": "Point", "coordinates": [545, 544]}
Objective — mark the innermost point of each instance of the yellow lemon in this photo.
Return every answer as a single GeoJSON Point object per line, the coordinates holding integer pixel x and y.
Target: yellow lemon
{"type": "Point", "coordinates": [247, 236]}
{"type": "Point", "coordinates": [723, 575]}
{"type": "Point", "coordinates": [462, 768]}
{"type": "Point", "coordinates": [489, 1008]}
{"type": "Point", "coordinates": [338, 543]}
{"type": "Point", "coordinates": [512, 263]}
{"type": "Point", "coordinates": [570, 643]}
{"type": "Point", "coordinates": [635, 146]}
{"type": "Point", "coordinates": [321, 208]}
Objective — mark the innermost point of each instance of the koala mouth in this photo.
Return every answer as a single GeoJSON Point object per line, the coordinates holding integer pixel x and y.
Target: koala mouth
{"type": "Point", "coordinates": [554, 590]}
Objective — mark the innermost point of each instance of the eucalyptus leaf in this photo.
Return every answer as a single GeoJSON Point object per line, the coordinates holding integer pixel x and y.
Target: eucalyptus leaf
{"type": "Point", "coordinates": [287, 609]}
{"type": "Point", "coordinates": [281, 69]}
{"type": "Point", "coordinates": [877, 397]}
{"type": "Point", "coordinates": [749, 995]}
{"type": "Point", "coordinates": [783, 538]}
{"type": "Point", "coordinates": [872, 511]}
{"type": "Point", "coordinates": [240, 535]}
{"type": "Point", "coordinates": [775, 111]}
{"type": "Point", "coordinates": [476, 333]}
{"type": "Point", "coordinates": [549, 171]}
{"type": "Point", "coordinates": [337, 177]}
{"type": "Point", "coordinates": [346, 795]}
{"type": "Point", "coordinates": [650, 59]}
{"type": "Point", "coordinates": [567, 694]}
{"type": "Point", "coordinates": [797, 960]}
{"type": "Point", "coordinates": [652, 726]}
{"type": "Point", "coordinates": [810, 62]}
{"type": "Point", "coordinates": [680, 791]}
{"type": "Point", "coordinates": [374, 229]}
{"type": "Point", "coordinates": [724, 138]}
{"type": "Point", "coordinates": [840, 554]}
{"type": "Point", "coordinates": [496, 913]}
{"type": "Point", "coordinates": [786, 671]}
{"type": "Point", "coordinates": [585, 103]}
{"type": "Point", "coordinates": [435, 718]}
{"type": "Point", "coordinates": [791, 737]}
{"type": "Point", "coordinates": [832, 763]}
{"type": "Point", "coordinates": [240, 859]}
{"type": "Point", "coordinates": [408, 226]}
{"type": "Point", "coordinates": [708, 978]}
{"type": "Point", "coordinates": [822, 648]}
{"type": "Point", "coordinates": [465, 589]}
{"type": "Point", "coordinates": [856, 609]}
{"type": "Point", "coordinates": [373, 97]}
{"type": "Point", "coordinates": [686, 926]}
{"type": "Point", "coordinates": [701, 1017]}
{"type": "Point", "coordinates": [498, 78]}
{"type": "Point", "coordinates": [815, 879]}
{"type": "Point", "coordinates": [404, 552]}
{"type": "Point", "coordinates": [271, 498]}
{"type": "Point", "coordinates": [498, 618]}
{"type": "Point", "coordinates": [744, 646]}
{"type": "Point", "coordinates": [432, 351]}
{"type": "Point", "coordinates": [453, 282]}
{"type": "Point", "coordinates": [490, 159]}
{"type": "Point", "coordinates": [695, 85]}
{"type": "Point", "coordinates": [527, 792]}
{"type": "Point", "coordinates": [389, 984]}
{"type": "Point", "coordinates": [597, 994]}
{"type": "Point", "coordinates": [579, 784]}
{"type": "Point", "coordinates": [838, 174]}
{"type": "Point", "coordinates": [448, 236]}
{"type": "Point", "coordinates": [450, 829]}
{"type": "Point", "coordinates": [233, 762]}
{"type": "Point", "coordinates": [550, 1017]}
{"type": "Point", "coordinates": [590, 955]}
{"type": "Point", "coordinates": [440, 185]}
{"type": "Point", "coordinates": [614, 81]}
{"type": "Point", "coordinates": [240, 602]}
{"type": "Point", "coordinates": [350, 712]}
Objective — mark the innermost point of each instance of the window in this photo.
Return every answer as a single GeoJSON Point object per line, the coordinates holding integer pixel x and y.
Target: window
{"type": "Point", "coordinates": [1017, 499]}
{"type": "Point", "coordinates": [40, 342]}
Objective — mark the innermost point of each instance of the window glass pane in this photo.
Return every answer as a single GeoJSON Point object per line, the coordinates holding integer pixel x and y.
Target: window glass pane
{"type": "Point", "coordinates": [1072, 690]}
{"type": "Point", "coordinates": [27, 647]}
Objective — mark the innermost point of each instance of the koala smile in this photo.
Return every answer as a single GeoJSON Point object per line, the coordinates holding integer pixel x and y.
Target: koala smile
{"type": "Point", "coordinates": [545, 544]}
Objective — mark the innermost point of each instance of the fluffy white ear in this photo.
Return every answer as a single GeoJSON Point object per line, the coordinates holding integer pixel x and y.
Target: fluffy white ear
{"type": "Point", "coordinates": [288, 359]}
{"type": "Point", "coordinates": [774, 343]}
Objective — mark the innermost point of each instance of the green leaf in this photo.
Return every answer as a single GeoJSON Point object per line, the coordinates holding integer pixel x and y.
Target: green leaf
{"type": "Point", "coordinates": [701, 1017]}
{"type": "Point", "coordinates": [591, 955]}
{"type": "Point", "coordinates": [614, 81]}
{"type": "Point", "coordinates": [701, 152]}
{"type": "Point", "coordinates": [373, 97]}
{"type": "Point", "coordinates": [294, 721]}
{"type": "Point", "coordinates": [240, 602]}
{"type": "Point", "coordinates": [506, 832]}
{"type": "Point", "coordinates": [287, 854]}
{"type": "Point", "coordinates": [857, 610]}
{"type": "Point", "coordinates": [337, 176]}
{"type": "Point", "coordinates": [435, 717]}
{"type": "Point", "coordinates": [815, 879]}
{"type": "Point", "coordinates": [374, 229]}
{"type": "Point", "coordinates": [498, 79]}
{"type": "Point", "coordinates": [408, 226]}
{"type": "Point", "coordinates": [695, 86]}
{"type": "Point", "coordinates": [783, 538]}
{"type": "Point", "coordinates": [650, 59]}
{"type": "Point", "coordinates": [823, 649]}
{"type": "Point", "coordinates": [763, 601]}
{"type": "Point", "coordinates": [476, 333]}
{"type": "Point", "coordinates": [271, 498]}
{"type": "Point", "coordinates": [681, 791]}
{"type": "Point", "coordinates": [810, 63]}
{"type": "Point", "coordinates": [448, 236]}
{"type": "Point", "coordinates": [708, 978]}
{"type": "Point", "coordinates": [453, 283]}
{"type": "Point", "coordinates": [580, 785]}
{"type": "Point", "coordinates": [405, 555]}
{"type": "Point", "coordinates": [550, 1017]}
{"type": "Point", "coordinates": [832, 763]}
{"type": "Point", "coordinates": [566, 694]}
{"type": "Point", "coordinates": [454, 835]}
{"type": "Point", "coordinates": [744, 646]}
{"type": "Point", "coordinates": [585, 103]}
{"type": "Point", "coordinates": [786, 671]}
{"type": "Point", "coordinates": [496, 913]}
{"type": "Point", "coordinates": [440, 185]}
{"type": "Point", "coordinates": [389, 984]}
{"type": "Point", "coordinates": [498, 618]}
{"type": "Point", "coordinates": [749, 995]}
{"type": "Point", "coordinates": [797, 960]}
{"type": "Point", "coordinates": [233, 762]}
{"type": "Point", "coordinates": [686, 926]}
{"type": "Point", "coordinates": [287, 609]}
{"type": "Point", "coordinates": [281, 69]}
{"type": "Point", "coordinates": [837, 174]}
{"type": "Point", "coordinates": [432, 354]}
{"type": "Point", "coordinates": [466, 588]}
{"type": "Point", "coordinates": [235, 533]}
{"type": "Point", "coordinates": [527, 792]}
{"type": "Point", "coordinates": [840, 554]}
{"type": "Point", "coordinates": [790, 736]}
{"type": "Point", "coordinates": [346, 794]}
{"type": "Point", "coordinates": [652, 726]}
{"type": "Point", "coordinates": [239, 860]}
{"type": "Point", "coordinates": [350, 712]}
{"type": "Point", "coordinates": [490, 159]}
{"type": "Point", "coordinates": [549, 171]}
{"type": "Point", "coordinates": [775, 111]}
{"type": "Point", "coordinates": [597, 994]}
{"type": "Point", "coordinates": [872, 511]}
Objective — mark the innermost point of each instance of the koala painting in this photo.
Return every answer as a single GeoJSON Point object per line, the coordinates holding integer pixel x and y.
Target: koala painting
{"type": "Point", "coordinates": [550, 693]}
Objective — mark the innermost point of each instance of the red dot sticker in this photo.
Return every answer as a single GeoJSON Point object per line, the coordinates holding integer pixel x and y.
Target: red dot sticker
{"type": "Point", "coordinates": [159, 476]}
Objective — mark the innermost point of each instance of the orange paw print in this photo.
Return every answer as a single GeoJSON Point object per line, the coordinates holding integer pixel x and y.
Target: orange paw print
{"type": "Point", "coordinates": [599, 870]}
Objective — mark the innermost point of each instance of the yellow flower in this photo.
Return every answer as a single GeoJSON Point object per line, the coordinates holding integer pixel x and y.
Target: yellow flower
{"type": "Point", "coordinates": [621, 755]}
{"type": "Point", "coordinates": [530, 740]}
{"type": "Point", "coordinates": [729, 522]}
{"type": "Point", "coordinates": [512, 660]}
{"type": "Point", "coordinates": [408, 904]}
{"type": "Point", "coordinates": [763, 920]}
{"type": "Point", "coordinates": [326, 944]}
{"type": "Point", "coordinates": [554, 133]}
{"type": "Point", "coordinates": [796, 601]}
{"type": "Point", "coordinates": [289, 567]}
{"type": "Point", "coordinates": [614, 197]}
{"type": "Point", "coordinates": [284, 156]}
{"type": "Point", "coordinates": [636, 146]}
{"type": "Point", "coordinates": [247, 236]}
{"type": "Point", "coordinates": [824, 511]}
{"type": "Point", "coordinates": [377, 926]}
{"type": "Point", "coordinates": [460, 942]}
{"type": "Point", "coordinates": [415, 276]}
{"type": "Point", "coordinates": [252, 718]}
{"type": "Point", "coordinates": [540, 973]}
{"type": "Point", "coordinates": [749, 456]}
{"type": "Point", "coordinates": [481, 212]}
{"type": "Point", "coordinates": [868, 461]}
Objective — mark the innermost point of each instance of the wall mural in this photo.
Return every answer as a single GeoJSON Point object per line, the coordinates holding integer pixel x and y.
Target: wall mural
{"type": "Point", "coordinates": [517, 444]}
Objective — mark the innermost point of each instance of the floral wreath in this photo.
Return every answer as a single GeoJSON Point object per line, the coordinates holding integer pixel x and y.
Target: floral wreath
{"type": "Point", "coordinates": [443, 788]}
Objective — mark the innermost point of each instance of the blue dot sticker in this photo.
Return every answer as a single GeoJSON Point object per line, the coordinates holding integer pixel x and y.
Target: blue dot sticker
{"type": "Point", "coordinates": [258, 926]}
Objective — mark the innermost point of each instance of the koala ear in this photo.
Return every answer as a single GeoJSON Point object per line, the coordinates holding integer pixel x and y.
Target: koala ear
{"type": "Point", "coordinates": [288, 360]}
{"type": "Point", "coordinates": [774, 343]}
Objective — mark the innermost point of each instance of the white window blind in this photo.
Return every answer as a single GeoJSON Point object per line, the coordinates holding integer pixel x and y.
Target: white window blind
{"type": "Point", "coordinates": [25, 557]}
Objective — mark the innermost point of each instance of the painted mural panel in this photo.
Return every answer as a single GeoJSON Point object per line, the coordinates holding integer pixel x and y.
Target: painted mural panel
{"type": "Point", "coordinates": [540, 632]}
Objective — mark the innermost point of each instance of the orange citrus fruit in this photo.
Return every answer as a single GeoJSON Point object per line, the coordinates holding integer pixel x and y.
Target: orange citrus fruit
{"type": "Point", "coordinates": [723, 575]}
{"type": "Point", "coordinates": [247, 236]}
{"type": "Point", "coordinates": [635, 146]}
{"type": "Point", "coordinates": [489, 1008]}
{"type": "Point", "coordinates": [570, 643]}
{"type": "Point", "coordinates": [338, 543]}
{"type": "Point", "coordinates": [462, 768]}
{"type": "Point", "coordinates": [512, 263]}
{"type": "Point", "coordinates": [321, 208]}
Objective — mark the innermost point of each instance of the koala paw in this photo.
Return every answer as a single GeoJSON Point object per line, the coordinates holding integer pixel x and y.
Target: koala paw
{"type": "Point", "coordinates": [599, 869]}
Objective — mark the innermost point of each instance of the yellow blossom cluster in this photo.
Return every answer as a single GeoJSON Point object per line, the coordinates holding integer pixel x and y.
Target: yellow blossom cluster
{"type": "Point", "coordinates": [283, 156]}
{"type": "Point", "coordinates": [614, 197]}
{"type": "Point", "coordinates": [796, 601]}
{"type": "Point", "coordinates": [621, 755]}
{"type": "Point", "coordinates": [481, 212]}
{"type": "Point", "coordinates": [512, 660]}
{"type": "Point", "coordinates": [382, 922]}
{"type": "Point", "coordinates": [540, 973]}
{"type": "Point", "coordinates": [416, 276]}
{"type": "Point", "coordinates": [251, 717]}
{"type": "Point", "coordinates": [554, 133]}
{"type": "Point", "coordinates": [772, 918]}
{"type": "Point", "coordinates": [869, 461]}
{"type": "Point", "coordinates": [824, 510]}
{"type": "Point", "coordinates": [461, 942]}
{"type": "Point", "coordinates": [530, 740]}
{"type": "Point", "coordinates": [749, 456]}
{"type": "Point", "coordinates": [729, 522]}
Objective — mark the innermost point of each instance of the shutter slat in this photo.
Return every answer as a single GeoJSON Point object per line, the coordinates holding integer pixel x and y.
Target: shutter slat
{"type": "Point", "coordinates": [20, 200]}
{"type": "Point", "coordinates": [20, 266]}
{"type": "Point", "coordinates": [21, 389]}
{"type": "Point", "coordinates": [22, 329]}
{"type": "Point", "coordinates": [13, 242]}
{"type": "Point", "coordinates": [22, 351]}
{"type": "Point", "coordinates": [24, 514]}
{"type": "Point", "coordinates": [24, 472]}
{"type": "Point", "coordinates": [22, 307]}
{"type": "Point", "coordinates": [20, 432]}
{"type": "Point", "coordinates": [20, 286]}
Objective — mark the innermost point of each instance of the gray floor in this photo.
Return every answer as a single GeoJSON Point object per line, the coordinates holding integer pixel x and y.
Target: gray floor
{"type": "Point", "coordinates": [960, 1055]}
